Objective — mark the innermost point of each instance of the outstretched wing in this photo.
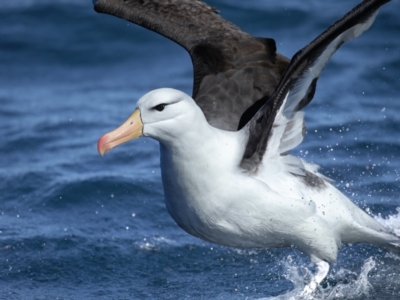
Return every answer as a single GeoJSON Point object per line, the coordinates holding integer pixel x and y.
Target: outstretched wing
{"type": "Point", "coordinates": [278, 126]}
{"type": "Point", "coordinates": [234, 73]}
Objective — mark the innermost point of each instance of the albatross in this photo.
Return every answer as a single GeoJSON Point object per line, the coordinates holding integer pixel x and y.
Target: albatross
{"type": "Point", "coordinates": [227, 171]}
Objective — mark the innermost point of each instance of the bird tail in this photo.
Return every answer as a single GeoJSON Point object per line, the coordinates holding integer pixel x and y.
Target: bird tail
{"type": "Point", "coordinates": [365, 229]}
{"type": "Point", "coordinates": [378, 236]}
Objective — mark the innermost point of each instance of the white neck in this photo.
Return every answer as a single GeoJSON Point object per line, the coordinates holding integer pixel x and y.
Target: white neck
{"type": "Point", "coordinates": [195, 165]}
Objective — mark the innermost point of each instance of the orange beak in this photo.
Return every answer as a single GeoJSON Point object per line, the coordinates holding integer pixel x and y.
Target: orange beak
{"type": "Point", "coordinates": [132, 128]}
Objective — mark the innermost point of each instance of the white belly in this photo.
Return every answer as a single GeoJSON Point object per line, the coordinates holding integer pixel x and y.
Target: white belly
{"type": "Point", "coordinates": [231, 209]}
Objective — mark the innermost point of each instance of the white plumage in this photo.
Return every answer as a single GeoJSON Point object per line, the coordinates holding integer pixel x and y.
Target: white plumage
{"type": "Point", "coordinates": [211, 197]}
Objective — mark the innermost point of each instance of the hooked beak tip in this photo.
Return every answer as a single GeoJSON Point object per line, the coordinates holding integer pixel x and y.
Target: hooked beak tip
{"type": "Point", "coordinates": [102, 145]}
{"type": "Point", "coordinates": [132, 128]}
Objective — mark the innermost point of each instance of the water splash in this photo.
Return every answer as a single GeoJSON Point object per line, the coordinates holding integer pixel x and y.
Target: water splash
{"type": "Point", "coordinates": [301, 275]}
{"type": "Point", "coordinates": [392, 222]}
{"type": "Point", "coordinates": [354, 290]}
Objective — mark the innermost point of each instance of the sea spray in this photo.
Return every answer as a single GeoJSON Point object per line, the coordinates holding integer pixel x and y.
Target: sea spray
{"type": "Point", "coordinates": [336, 289]}
{"type": "Point", "coordinates": [392, 222]}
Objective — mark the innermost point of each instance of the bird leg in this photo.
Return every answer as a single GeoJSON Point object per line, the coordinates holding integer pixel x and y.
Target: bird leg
{"type": "Point", "coordinates": [322, 272]}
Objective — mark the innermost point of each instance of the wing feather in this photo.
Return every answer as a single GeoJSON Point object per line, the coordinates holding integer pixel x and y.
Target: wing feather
{"type": "Point", "coordinates": [279, 126]}
{"type": "Point", "coordinates": [232, 69]}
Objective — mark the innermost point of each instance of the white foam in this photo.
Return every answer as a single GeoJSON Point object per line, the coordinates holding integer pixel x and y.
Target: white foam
{"type": "Point", "coordinates": [356, 289]}
{"type": "Point", "coordinates": [392, 222]}
{"type": "Point", "coordinates": [300, 277]}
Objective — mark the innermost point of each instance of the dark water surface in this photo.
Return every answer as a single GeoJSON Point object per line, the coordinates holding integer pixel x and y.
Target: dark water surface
{"type": "Point", "coordinates": [74, 225]}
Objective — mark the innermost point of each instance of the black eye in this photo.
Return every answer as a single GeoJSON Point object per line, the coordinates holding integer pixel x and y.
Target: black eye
{"type": "Point", "coordinates": [159, 107]}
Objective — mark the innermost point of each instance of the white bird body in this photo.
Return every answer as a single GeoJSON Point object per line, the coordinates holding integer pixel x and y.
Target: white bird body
{"type": "Point", "coordinates": [243, 188]}
{"type": "Point", "coordinates": [211, 197]}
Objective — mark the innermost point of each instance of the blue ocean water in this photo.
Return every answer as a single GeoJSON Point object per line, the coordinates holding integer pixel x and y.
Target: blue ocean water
{"type": "Point", "coordinates": [74, 225]}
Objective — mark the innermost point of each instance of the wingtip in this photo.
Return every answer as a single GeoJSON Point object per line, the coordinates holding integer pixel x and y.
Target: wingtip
{"type": "Point", "coordinates": [96, 4]}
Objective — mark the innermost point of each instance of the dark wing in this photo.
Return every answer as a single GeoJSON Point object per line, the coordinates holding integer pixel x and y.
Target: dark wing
{"type": "Point", "coordinates": [234, 73]}
{"type": "Point", "coordinates": [278, 126]}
